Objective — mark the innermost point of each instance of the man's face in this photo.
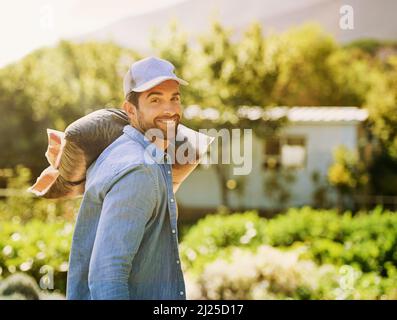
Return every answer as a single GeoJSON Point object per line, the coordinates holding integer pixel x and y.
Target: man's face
{"type": "Point", "coordinates": [159, 107]}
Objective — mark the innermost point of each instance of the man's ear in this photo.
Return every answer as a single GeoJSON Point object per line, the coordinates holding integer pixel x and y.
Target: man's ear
{"type": "Point", "coordinates": [129, 108]}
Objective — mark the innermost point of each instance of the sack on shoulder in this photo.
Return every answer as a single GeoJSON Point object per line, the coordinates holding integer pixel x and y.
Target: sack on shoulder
{"type": "Point", "coordinates": [70, 153]}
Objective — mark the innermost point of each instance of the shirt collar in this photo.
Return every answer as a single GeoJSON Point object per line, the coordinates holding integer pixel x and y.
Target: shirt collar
{"type": "Point", "coordinates": [151, 149]}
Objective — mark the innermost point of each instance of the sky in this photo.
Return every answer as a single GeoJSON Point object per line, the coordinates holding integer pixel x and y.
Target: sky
{"type": "Point", "coordinates": [26, 25]}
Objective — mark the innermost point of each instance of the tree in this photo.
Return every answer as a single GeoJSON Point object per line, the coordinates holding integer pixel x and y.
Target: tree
{"type": "Point", "coordinates": [51, 88]}
{"type": "Point", "coordinates": [219, 71]}
{"type": "Point", "coordinates": [381, 102]}
{"type": "Point", "coordinates": [348, 174]}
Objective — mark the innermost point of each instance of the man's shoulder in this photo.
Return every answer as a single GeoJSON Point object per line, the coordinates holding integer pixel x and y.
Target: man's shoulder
{"type": "Point", "coordinates": [123, 151]}
{"type": "Point", "coordinates": [122, 155]}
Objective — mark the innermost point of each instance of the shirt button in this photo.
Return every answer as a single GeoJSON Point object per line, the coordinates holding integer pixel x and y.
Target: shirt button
{"type": "Point", "coordinates": [173, 231]}
{"type": "Point", "coordinates": [169, 172]}
{"type": "Point", "coordinates": [177, 261]}
{"type": "Point", "coordinates": [172, 200]}
{"type": "Point", "coordinates": [181, 293]}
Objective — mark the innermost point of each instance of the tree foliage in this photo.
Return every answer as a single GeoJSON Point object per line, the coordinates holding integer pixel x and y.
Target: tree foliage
{"type": "Point", "coordinates": [51, 88]}
{"type": "Point", "coordinates": [303, 66]}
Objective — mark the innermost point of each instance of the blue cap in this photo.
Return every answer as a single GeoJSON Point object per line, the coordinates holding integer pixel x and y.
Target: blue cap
{"type": "Point", "coordinates": [148, 73]}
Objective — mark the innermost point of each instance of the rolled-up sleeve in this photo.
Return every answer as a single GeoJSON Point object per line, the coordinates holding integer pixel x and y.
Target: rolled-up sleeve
{"type": "Point", "coordinates": [127, 207]}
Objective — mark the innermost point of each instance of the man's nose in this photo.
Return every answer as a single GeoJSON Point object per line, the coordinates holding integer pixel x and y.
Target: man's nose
{"type": "Point", "coordinates": [171, 110]}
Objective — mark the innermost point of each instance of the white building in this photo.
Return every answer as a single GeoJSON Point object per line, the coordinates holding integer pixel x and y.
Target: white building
{"type": "Point", "coordinates": [304, 146]}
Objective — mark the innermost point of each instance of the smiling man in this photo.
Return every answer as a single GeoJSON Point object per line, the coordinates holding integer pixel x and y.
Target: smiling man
{"type": "Point", "coordinates": [125, 244]}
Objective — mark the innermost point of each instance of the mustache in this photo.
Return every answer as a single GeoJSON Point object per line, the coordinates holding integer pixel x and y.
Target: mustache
{"type": "Point", "coordinates": [175, 117]}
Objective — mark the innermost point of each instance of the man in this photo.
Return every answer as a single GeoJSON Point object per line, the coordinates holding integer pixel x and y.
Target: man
{"type": "Point", "coordinates": [125, 243]}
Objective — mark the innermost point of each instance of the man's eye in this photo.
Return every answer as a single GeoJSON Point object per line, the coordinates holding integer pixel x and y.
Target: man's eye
{"type": "Point", "coordinates": [154, 100]}
{"type": "Point", "coordinates": [175, 99]}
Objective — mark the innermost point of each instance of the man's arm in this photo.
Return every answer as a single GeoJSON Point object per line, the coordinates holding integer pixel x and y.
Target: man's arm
{"type": "Point", "coordinates": [126, 209]}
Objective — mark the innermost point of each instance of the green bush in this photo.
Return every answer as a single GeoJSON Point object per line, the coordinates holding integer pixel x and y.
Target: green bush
{"type": "Point", "coordinates": [361, 248]}
{"type": "Point", "coordinates": [367, 241]}
{"type": "Point", "coordinates": [268, 273]}
{"type": "Point", "coordinates": [38, 249]}
{"type": "Point", "coordinates": [202, 242]}
{"type": "Point", "coordinates": [305, 224]}
{"type": "Point", "coordinates": [20, 286]}
{"type": "Point", "coordinates": [271, 273]}
{"type": "Point", "coordinates": [26, 206]}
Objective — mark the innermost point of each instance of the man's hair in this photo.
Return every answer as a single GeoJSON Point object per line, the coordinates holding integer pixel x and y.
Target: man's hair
{"type": "Point", "coordinates": [133, 97]}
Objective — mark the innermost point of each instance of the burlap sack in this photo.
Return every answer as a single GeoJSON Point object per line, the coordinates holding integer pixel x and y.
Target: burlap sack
{"type": "Point", "coordinates": [71, 153]}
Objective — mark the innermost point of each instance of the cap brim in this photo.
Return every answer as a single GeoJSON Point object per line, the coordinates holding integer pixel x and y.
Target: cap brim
{"type": "Point", "coordinates": [154, 82]}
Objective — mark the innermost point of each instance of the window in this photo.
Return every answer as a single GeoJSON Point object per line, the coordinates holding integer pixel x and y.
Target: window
{"type": "Point", "coordinates": [272, 153]}
{"type": "Point", "coordinates": [287, 152]}
{"type": "Point", "coordinates": [293, 152]}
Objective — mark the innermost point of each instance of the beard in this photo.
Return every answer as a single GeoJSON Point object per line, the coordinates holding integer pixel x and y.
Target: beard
{"type": "Point", "coordinates": [168, 130]}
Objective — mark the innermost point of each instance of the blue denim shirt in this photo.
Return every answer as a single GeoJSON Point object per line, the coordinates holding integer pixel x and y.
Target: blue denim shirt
{"type": "Point", "coordinates": [125, 243]}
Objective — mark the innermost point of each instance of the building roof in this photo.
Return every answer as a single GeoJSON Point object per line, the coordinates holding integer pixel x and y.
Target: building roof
{"type": "Point", "coordinates": [293, 114]}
